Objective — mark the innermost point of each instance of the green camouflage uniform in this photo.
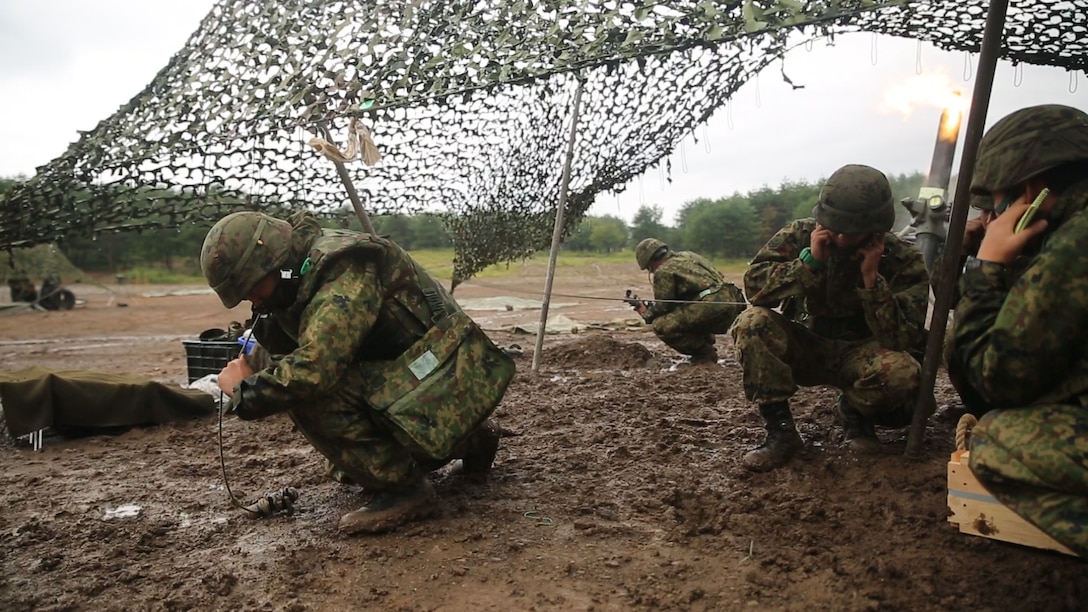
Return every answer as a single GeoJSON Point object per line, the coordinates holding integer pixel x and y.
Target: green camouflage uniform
{"type": "Point", "coordinates": [361, 301]}
{"type": "Point", "coordinates": [833, 330]}
{"type": "Point", "coordinates": [689, 328]}
{"type": "Point", "coordinates": [22, 289]}
{"type": "Point", "coordinates": [1021, 345]}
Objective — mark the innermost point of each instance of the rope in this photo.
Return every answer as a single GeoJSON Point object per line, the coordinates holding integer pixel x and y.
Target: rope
{"type": "Point", "coordinates": [963, 430]}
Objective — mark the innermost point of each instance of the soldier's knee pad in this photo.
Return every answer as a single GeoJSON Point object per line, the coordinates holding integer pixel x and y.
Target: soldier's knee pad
{"type": "Point", "coordinates": [753, 318]}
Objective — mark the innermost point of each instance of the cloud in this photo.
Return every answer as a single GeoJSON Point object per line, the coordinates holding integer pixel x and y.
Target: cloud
{"type": "Point", "coordinates": [65, 65]}
{"type": "Point", "coordinates": [771, 132]}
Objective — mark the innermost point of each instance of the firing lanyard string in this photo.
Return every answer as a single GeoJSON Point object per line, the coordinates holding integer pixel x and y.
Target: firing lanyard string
{"type": "Point", "coordinates": [607, 299]}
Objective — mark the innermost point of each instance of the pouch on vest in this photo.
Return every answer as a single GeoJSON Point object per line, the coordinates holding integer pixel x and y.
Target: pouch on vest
{"type": "Point", "coordinates": [439, 390]}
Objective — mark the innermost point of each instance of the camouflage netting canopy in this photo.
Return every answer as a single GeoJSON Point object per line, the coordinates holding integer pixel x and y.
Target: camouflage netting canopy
{"type": "Point", "coordinates": [40, 261]}
{"type": "Point", "coordinates": [468, 103]}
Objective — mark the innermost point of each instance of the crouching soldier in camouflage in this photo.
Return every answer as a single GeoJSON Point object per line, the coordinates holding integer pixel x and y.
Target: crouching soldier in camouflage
{"type": "Point", "coordinates": [377, 365]}
{"type": "Point", "coordinates": [1021, 330]}
{"type": "Point", "coordinates": [683, 276]}
{"type": "Point", "coordinates": [854, 299]}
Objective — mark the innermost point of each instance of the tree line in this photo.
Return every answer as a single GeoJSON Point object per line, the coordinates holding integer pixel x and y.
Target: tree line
{"type": "Point", "coordinates": [733, 227]}
{"type": "Point", "coordinates": [177, 250]}
{"type": "Point", "coordinates": [729, 227]}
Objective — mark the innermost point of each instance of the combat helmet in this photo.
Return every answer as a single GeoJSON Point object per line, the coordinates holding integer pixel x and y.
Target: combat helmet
{"type": "Point", "coordinates": [856, 199]}
{"type": "Point", "coordinates": [648, 250]}
{"type": "Point", "coordinates": [240, 250]}
{"type": "Point", "coordinates": [1027, 143]}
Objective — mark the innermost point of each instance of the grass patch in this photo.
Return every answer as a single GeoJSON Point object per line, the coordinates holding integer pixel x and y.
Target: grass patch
{"type": "Point", "coordinates": [159, 276]}
{"type": "Point", "coordinates": [440, 262]}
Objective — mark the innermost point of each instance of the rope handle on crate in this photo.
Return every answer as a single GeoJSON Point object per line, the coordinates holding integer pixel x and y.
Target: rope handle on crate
{"type": "Point", "coordinates": [966, 423]}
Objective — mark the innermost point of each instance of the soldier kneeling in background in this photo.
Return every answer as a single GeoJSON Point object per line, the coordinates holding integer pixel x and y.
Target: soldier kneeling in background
{"type": "Point", "coordinates": [692, 301]}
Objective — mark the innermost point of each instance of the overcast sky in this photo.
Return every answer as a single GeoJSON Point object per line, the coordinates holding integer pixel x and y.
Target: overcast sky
{"type": "Point", "coordinates": [67, 64]}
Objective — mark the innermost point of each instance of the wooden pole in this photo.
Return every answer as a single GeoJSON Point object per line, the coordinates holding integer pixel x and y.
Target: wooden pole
{"type": "Point", "coordinates": [557, 231]}
{"type": "Point", "coordinates": [926, 403]}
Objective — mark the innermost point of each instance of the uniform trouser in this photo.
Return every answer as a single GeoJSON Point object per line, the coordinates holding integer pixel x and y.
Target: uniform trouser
{"type": "Point", "coordinates": [689, 329]}
{"type": "Point", "coordinates": [777, 355]}
{"type": "Point", "coordinates": [1035, 461]}
{"type": "Point", "coordinates": [359, 446]}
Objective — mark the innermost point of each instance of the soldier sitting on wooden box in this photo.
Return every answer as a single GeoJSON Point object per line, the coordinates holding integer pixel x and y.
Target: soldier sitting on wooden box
{"type": "Point", "coordinates": [1020, 332]}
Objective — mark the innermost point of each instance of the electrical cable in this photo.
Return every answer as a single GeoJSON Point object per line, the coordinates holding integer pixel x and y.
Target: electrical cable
{"type": "Point", "coordinates": [278, 501]}
{"type": "Point", "coordinates": [594, 297]}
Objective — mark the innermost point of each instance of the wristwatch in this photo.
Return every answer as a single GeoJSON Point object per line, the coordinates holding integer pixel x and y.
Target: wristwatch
{"type": "Point", "coordinates": [810, 259]}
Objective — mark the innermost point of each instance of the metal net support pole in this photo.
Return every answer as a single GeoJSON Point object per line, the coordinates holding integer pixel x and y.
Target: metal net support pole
{"type": "Point", "coordinates": [557, 231]}
{"type": "Point", "coordinates": [926, 403]}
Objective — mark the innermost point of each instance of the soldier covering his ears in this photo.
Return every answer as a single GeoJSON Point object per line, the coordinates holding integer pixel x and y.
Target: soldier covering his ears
{"type": "Point", "coordinates": [854, 299]}
{"type": "Point", "coordinates": [1021, 327]}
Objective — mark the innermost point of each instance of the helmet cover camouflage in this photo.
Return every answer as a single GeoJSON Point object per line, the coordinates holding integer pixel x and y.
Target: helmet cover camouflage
{"type": "Point", "coordinates": [240, 250]}
{"type": "Point", "coordinates": [1028, 142]}
{"type": "Point", "coordinates": [648, 250]}
{"type": "Point", "coordinates": [856, 199]}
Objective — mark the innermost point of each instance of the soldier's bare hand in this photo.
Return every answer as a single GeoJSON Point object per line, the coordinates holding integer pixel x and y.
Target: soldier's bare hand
{"type": "Point", "coordinates": [1001, 245]}
{"type": "Point", "coordinates": [973, 233]}
{"type": "Point", "coordinates": [868, 255]}
{"type": "Point", "coordinates": [232, 374]}
{"type": "Point", "coordinates": [820, 243]}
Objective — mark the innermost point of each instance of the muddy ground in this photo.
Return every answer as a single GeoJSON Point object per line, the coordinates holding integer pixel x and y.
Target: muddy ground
{"type": "Point", "coordinates": [622, 491]}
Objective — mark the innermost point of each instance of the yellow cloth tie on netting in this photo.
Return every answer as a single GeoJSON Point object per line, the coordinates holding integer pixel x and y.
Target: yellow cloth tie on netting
{"type": "Point", "coordinates": [360, 145]}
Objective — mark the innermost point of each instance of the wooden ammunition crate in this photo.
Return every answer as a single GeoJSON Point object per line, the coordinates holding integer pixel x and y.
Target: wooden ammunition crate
{"type": "Point", "coordinates": [978, 513]}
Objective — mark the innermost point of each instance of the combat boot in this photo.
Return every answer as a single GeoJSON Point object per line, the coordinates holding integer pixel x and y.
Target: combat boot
{"type": "Point", "coordinates": [859, 430]}
{"type": "Point", "coordinates": [479, 454]}
{"type": "Point", "coordinates": [709, 356]}
{"type": "Point", "coordinates": [391, 508]}
{"type": "Point", "coordinates": [782, 441]}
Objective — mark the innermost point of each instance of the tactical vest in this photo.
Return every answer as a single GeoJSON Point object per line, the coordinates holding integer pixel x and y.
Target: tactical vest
{"type": "Point", "coordinates": [410, 304]}
{"type": "Point", "coordinates": [426, 367]}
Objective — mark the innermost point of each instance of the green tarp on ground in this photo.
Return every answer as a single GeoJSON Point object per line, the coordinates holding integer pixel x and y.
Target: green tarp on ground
{"type": "Point", "coordinates": [84, 401]}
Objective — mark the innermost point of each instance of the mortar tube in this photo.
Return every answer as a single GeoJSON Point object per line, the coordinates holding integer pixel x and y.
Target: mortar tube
{"type": "Point", "coordinates": [948, 133]}
{"type": "Point", "coordinates": [932, 228]}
